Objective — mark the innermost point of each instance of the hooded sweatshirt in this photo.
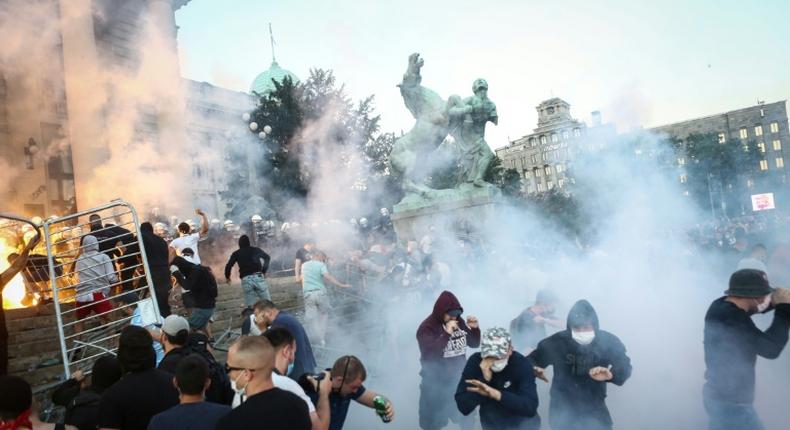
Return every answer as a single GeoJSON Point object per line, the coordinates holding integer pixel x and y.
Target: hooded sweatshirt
{"type": "Point", "coordinates": [442, 354]}
{"type": "Point", "coordinates": [94, 271]}
{"type": "Point", "coordinates": [248, 258]}
{"type": "Point", "coordinates": [577, 400]}
{"type": "Point", "coordinates": [198, 280]}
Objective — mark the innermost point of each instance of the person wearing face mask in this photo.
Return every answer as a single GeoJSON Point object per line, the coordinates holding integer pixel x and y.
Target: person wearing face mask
{"type": "Point", "coordinates": [501, 382]}
{"type": "Point", "coordinates": [585, 360]}
{"type": "Point", "coordinates": [732, 344]}
{"type": "Point", "coordinates": [250, 363]}
{"type": "Point", "coordinates": [443, 338]}
{"type": "Point", "coordinates": [285, 347]}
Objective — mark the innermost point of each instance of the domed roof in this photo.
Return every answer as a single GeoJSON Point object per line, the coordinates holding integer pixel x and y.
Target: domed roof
{"type": "Point", "coordinates": [263, 82]}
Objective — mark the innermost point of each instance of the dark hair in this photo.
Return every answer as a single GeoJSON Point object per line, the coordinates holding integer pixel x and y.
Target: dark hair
{"type": "Point", "coordinates": [184, 227]}
{"type": "Point", "coordinates": [106, 371]}
{"type": "Point", "coordinates": [279, 337]}
{"type": "Point", "coordinates": [263, 304]}
{"type": "Point", "coordinates": [16, 397]}
{"type": "Point", "coordinates": [147, 227]}
{"type": "Point", "coordinates": [135, 349]}
{"type": "Point", "coordinates": [192, 374]}
{"type": "Point", "coordinates": [179, 339]}
{"type": "Point", "coordinates": [94, 218]}
{"type": "Point", "coordinates": [350, 368]}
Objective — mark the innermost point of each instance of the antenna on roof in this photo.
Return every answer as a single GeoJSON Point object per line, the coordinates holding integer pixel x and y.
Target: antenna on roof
{"type": "Point", "coordinates": [271, 37]}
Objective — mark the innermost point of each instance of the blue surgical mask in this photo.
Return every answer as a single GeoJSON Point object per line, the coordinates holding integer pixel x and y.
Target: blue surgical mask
{"type": "Point", "coordinates": [290, 369]}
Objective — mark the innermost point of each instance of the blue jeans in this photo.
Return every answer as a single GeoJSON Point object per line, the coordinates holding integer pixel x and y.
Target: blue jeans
{"type": "Point", "coordinates": [200, 318]}
{"type": "Point", "coordinates": [731, 416]}
{"type": "Point", "coordinates": [255, 289]}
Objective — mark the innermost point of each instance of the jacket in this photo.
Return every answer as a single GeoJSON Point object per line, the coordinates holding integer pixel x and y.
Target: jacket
{"type": "Point", "coordinates": [577, 400]}
{"type": "Point", "coordinates": [199, 281]}
{"type": "Point", "coordinates": [443, 355]}
{"type": "Point", "coordinates": [518, 407]}
{"type": "Point", "coordinates": [95, 271]}
{"type": "Point", "coordinates": [248, 258]}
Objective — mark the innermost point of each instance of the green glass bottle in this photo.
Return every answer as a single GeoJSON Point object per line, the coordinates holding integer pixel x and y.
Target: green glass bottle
{"type": "Point", "coordinates": [380, 404]}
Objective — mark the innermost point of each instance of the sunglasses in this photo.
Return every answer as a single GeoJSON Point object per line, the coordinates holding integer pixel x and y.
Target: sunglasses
{"type": "Point", "coordinates": [229, 369]}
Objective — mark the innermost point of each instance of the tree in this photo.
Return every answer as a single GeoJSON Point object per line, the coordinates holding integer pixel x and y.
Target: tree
{"type": "Point", "coordinates": [508, 180]}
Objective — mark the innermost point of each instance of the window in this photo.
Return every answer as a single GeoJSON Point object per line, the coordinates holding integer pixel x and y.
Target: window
{"type": "Point", "coordinates": [565, 135]}
{"type": "Point", "coordinates": [683, 179]}
{"type": "Point", "coordinates": [550, 185]}
{"type": "Point", "coordinates": [527, 174]}
{"type": "Point", "coordinates": [761, 147]}
{"type": "Point", "coordinates": [774, 127]}
{"type": "Point", "coordinates": [554, 138]}
{"type": "Point", "coordinates": [541, 188]}
{"type": "Point", "coordinates": [780, 162]}
{"type": "Point", "coordinates": [533, 141]}
{"type": "Point", "coordinates": [758, 130]}
{"type": "Point", "coordinates": [538, 173]}
{"type": "Point", "coordinates": [548, 170]}
{"type": "Point", "coordinates": [559, 168]}
{"type": "Point", "coordinates": [577, 132]}
{"type": "Point", "coordinates": [681, 161]}
{"type": "Point", "coordinates": [534, 158]}
{"type": "Point", "coordinates": [763, 164]}
{"type": "Point", "coordinates": [744, 133]}
{"type": "Point", "coordinates": [545, 156]}
{"type": "Point", "coordinates": [550, 111]}
{"type": "Point", "coordinates": [777, 145]}
{"type": "Point", "coordinates": [543, 140]}
{"type": "Point", "coordinates": [722, 137]}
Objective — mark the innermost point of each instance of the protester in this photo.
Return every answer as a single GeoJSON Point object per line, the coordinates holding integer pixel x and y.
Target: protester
{"type": "Point", "coordinates": [95, 277]}
{"type": "Point", "coordinates": [284, 345]}
{"type": "Point", "coordinates": [267, 315]}
{"type": "Point", "coordinates": [142, 392]}
{"type": "Point", "coordinates": [81, 398]}
{"type": "Point", "coordinates": [585, 359]}
{"type": "Point", "coordinates": [193, 413]}
{"type": "Point", "coordinates": [189, 239]}
{"type": "Point", "coordinates": [502, 383]}
{"type": "Point", "coordinates": [118, 244]}
{"type": "Point", "coordinates": [757, 259]}
{"type": "Point", "coordinates": [200, 287]}
{"type": "Point", "coordinates": [346, 378]}
{"type": "Point", "coordinates": [443, 338]}
{"type": "Point", "coordinates": [5, 277]}
{"type": "Point", "coordinates": [250, 365]}
{"type": "Point", "coordinates": [303, 256]}
{"type": "Point", "coordinates": [156, 252]}
{"type": "Point", "coordinates": [253, 264]}
{"type": "Point", "coordinates": [529, 327]}
{"type": "Point", "coordinates": [174, 337]}
{"type": "Point", "coordinates": [316, 296]}
{"type": "Point", "coordinates": [732, 344]}
{"type": "Point", "coordinates": [131, 305]}
{"type": "Point", "coordinates": [17, 409]}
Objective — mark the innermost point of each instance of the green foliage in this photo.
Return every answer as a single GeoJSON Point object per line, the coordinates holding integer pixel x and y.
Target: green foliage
{"type": "Point", "coordinates": [508, 180]}
{"type": "Point", "coordinates": [563, 211]}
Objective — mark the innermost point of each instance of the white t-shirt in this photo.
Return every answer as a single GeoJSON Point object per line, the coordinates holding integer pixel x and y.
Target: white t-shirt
{"type": "Point", "coordinates": [188, 241]}
{"type": "Point", "coordinates": [287, 384]}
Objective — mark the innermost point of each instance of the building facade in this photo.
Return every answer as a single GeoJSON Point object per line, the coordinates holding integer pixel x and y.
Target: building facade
{"type": "Point", "coordinates": [543, 157]}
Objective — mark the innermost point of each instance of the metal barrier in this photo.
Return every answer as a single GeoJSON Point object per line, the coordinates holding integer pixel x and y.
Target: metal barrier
{"type": "Point", "coordinates": [97, 288]}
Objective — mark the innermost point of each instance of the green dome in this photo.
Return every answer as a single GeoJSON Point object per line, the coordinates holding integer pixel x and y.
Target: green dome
{"type": "Point", "coordinates": [263, 82]}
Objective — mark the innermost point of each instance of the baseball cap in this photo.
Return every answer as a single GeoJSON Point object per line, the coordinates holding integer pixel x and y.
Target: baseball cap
{"type": "Point", "coordinates": [749, 283]}
{"type": "Point", "coordinates": [495, 342]}
{"type": "Point", "coordinates": [455, 313]}
{"type": "Point", "coordinates": [174, 324]}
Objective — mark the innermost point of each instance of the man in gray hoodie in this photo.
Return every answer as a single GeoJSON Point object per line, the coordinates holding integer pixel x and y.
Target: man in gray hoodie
{"type": "Point", "coordinates": [95, 276]}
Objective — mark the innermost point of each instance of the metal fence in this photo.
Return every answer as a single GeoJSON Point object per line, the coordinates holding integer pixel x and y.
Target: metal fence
{"type": "Point", "coordinates": [97, 287]}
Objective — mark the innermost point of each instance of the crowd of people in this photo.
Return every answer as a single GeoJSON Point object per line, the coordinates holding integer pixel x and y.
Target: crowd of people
{"type": "Point", "coordinates": [168, 376]}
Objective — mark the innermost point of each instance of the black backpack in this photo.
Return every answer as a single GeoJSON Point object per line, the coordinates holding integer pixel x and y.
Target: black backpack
{"type": "Point", "coordinates": [219, 391]}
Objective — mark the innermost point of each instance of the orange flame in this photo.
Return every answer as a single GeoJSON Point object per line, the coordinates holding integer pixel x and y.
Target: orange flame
{"type": "Point", "coordinates": [14, 292]}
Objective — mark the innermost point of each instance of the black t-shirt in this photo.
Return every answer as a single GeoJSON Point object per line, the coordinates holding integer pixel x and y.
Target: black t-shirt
{"type": "Point", "coordinates": [273, 409]}
{"type": "Point", "coordinates": [302, 255]}
{"type": "Point", "coordinates": [338, 406]}
{"type": "Point", "coordinates": [136, 398]}
{"type": "Point", "coordinates": [170, 361]}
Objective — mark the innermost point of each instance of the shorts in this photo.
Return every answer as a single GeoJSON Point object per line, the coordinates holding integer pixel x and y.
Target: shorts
{"type": "Point", "coordinates": [84, 309]}
{"type": "Point", "coordinates": [200, 318]}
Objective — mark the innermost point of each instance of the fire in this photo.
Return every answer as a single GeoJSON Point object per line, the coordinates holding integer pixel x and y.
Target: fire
{"type": "Point", "coordinates": [14, 292]}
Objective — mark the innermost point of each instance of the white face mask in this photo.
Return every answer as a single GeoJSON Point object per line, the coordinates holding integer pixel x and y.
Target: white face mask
{"type": "Point", "coordinates": [499, 365]}
{"type": "Point", "coordinates": [236, 389]}
{"type": "Point", "coordinates": [583, 337]}
{"type": "Point", "coordinates": [761, 307]}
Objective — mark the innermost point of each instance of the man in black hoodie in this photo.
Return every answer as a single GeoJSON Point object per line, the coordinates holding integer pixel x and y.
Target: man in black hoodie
{"type": "Point", "coordinates": [732, 344]}
{"type": "Point", "coordinates": [443, 338]}
{"type": "Point", "coordinates": [156, 252]}
{"type": "Point", "coordinates": [501, 381]}
{"type": "Point", "coordinates": [253, 264]}
{"type": "Point", "coordinates": [585, 359]}
{"type": "Point", "coordinates": [202, 287]}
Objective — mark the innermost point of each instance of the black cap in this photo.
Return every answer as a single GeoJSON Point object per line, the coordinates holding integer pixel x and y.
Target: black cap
{"type": "Point", "coordinates": [749, 283]}
{"type": "Point", "coordinates": [455, 313]}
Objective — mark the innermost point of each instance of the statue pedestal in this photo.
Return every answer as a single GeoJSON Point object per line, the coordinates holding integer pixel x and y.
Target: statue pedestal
{"type": "Point", "coordinates": [464, 211]}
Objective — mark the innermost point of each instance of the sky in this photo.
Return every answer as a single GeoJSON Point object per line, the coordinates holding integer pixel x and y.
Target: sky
{"type": "Point", "coordinates": [640, 63]}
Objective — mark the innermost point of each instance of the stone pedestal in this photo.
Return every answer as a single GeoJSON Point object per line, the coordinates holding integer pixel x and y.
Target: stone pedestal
{"type": "Point", "coordinates": [464, 211]}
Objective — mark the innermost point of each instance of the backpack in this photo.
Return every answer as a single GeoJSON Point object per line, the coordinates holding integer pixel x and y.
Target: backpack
{"type": "Point", "coordinates": [219, 391]}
